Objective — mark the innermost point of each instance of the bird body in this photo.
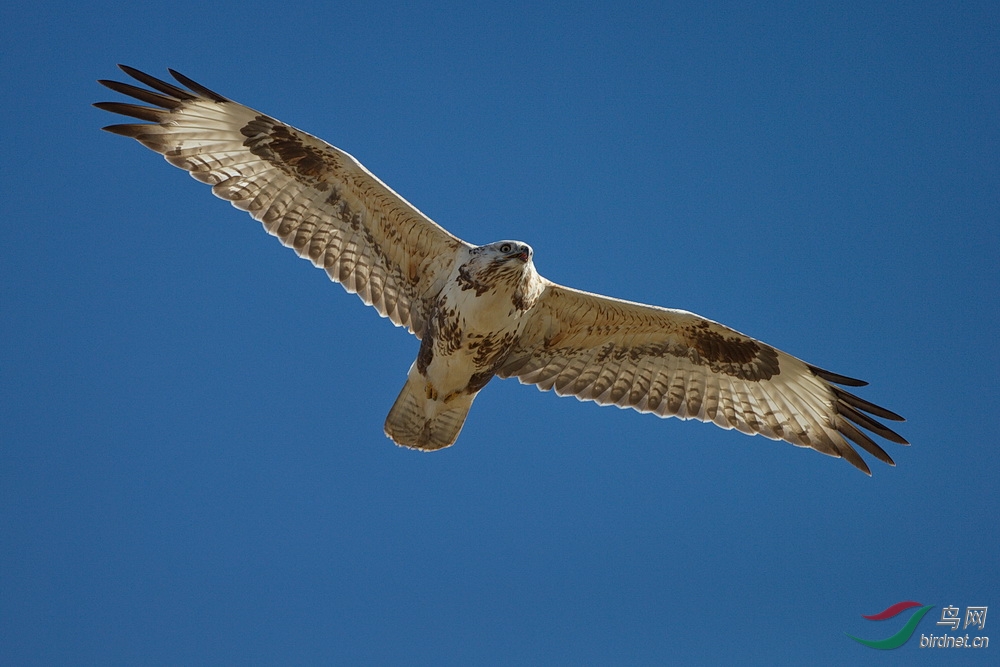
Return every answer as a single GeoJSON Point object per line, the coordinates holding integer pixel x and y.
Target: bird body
{"type": "Point", "coordinates": [484, 311]}
{"type": "Point", "coordinates": [473, 324]}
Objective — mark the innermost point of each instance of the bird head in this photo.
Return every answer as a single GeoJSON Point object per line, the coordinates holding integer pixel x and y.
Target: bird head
{"type": "Point", "coordinates": [504, 251]}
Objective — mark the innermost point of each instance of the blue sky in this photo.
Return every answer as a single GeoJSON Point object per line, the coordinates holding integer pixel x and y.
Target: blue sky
{"type": "Point", "coordinates": [192, 464]}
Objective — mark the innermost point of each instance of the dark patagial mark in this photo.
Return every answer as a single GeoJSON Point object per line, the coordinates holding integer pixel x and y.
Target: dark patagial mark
{"type": "Point", "coordinates": [714, 347]}
{"type": "Point", "coordinates": [285, 149]}
{"type": "Point", "coordinates": [733, 354]}
{"type": "Point", "coordinates": [731, 357]}
{"type": "Point", "coordinates": [763, 366]}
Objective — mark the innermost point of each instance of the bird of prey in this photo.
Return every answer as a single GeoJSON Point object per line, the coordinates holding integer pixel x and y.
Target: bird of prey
{"type": "Point", "coordinates": [483, 311]}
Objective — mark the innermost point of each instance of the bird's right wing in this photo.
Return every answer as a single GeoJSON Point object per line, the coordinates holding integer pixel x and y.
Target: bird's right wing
{"type": "Point", "coordinates": [316, 198]}
{"type": "Point", "coordinates": [678, 364]}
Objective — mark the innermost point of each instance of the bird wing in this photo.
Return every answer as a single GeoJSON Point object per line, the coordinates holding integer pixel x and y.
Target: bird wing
{"type": "Point", "coordinates": [316, 198]}
{"type": "Point", "coordinates": [677, 364]}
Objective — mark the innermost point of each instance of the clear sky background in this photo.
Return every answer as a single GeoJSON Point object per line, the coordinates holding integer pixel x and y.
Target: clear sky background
{"type": "Point", "coordinates": [192, 464]}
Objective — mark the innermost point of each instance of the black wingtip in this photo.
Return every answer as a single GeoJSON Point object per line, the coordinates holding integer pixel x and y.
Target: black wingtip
{"type": "Point", "coordinates": [134, 111]}
{"type": "Point", "coordinates": [122, 130]}
{"type": "Point", "coordinates": [837, 378]}
{"type": "Point", "coordinates": [867, 406]}
{"type": "Point", "coordinates": [158, 84]}
{"type": "Point", "coordinates": [197, 87]}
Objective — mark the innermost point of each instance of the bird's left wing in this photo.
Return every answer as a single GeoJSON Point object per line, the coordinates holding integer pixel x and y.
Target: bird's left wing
{"type": "Point", "coordinates": [316, 198]}
{"type": "Point", "coordinates": [678, 364]}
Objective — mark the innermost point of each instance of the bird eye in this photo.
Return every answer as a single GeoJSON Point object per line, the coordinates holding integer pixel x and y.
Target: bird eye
{"type": "Point", "coordinates": [506, 247]}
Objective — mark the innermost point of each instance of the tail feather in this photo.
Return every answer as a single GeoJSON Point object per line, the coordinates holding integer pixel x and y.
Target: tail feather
{"type": "Point", "coordinates": [420, 422]}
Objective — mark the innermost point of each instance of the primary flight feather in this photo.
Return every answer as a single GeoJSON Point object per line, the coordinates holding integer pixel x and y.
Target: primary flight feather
{"type": "Point", "coordinates": [483, 311]}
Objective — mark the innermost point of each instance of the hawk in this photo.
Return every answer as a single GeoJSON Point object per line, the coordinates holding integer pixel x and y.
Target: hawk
{"type": "Point", "coordinates": [481, 312]}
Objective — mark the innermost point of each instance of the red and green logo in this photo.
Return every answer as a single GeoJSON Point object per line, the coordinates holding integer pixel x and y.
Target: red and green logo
{"type": "Point", "coordinates": [904, 633]}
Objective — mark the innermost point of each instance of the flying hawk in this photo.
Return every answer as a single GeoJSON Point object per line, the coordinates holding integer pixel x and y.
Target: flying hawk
{"type": "Point", "coordinates": [483, 311]}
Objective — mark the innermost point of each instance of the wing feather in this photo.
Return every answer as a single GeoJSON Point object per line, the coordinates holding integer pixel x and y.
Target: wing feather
{"type": "Point", "coordinates": [315, 198]}
{"type": "Point", "coordinates": [676, 363]}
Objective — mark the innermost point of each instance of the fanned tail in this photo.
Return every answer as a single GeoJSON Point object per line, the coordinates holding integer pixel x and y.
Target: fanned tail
{"type": "Point", "coordinates": [420, 422]}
